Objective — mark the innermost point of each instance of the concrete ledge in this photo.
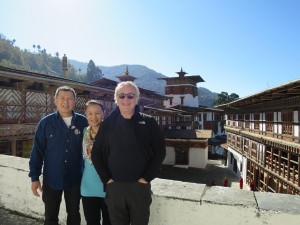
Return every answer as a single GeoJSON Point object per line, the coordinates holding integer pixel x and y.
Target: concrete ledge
{"type": "Point", "coordinates": [229, 196]}
{"type": "Point", "coordinates": [177, 189]}
{"type": "Point", "coordinates": [174, 202]}
{"type": "Point", "coordinates": [278, 202]}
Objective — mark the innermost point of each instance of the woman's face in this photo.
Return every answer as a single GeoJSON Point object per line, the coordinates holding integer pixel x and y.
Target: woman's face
{"type": "Point", "coordinates": [94, 114]}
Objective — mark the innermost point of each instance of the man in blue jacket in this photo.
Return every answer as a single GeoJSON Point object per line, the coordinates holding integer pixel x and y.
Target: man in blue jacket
{"type": "Point", "coordinates": [127, 154]}
{"type": "Point", "coordinates": [57, 148]}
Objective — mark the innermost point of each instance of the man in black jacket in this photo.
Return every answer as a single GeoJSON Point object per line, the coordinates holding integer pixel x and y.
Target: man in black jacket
{"type": "Point", "coordinates": [127, 154]}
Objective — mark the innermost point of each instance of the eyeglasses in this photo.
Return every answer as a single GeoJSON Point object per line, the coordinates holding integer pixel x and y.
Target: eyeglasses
{"type": "Point", "coordinates": [129, 95]}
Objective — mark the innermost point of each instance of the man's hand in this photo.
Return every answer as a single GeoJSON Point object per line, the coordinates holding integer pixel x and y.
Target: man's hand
{"type": "Point", "coordinates": [35, 186]}
{"type": "Point", "coordinates": [143, 181]}
{"type": "Point", "coordinates": [110, 181]}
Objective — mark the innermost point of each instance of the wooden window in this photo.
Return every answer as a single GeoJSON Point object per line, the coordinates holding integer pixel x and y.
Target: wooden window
{"type": "Point", "coordinates": [269, 121]}
{"type": "Point", "coordinates": [287, 122]}
{"type": "Point", "coordinates": [181, 100]}
{"type": "Point", "coordinates": [256, 121]}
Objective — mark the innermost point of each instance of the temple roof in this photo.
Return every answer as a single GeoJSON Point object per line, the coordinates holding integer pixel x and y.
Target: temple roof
{"type": "Point", "coordinates": [126, 76]}
{"type": "Point", "coordinates": [283, 91]}
{"type": "Point", "coordinates": [181, 75]}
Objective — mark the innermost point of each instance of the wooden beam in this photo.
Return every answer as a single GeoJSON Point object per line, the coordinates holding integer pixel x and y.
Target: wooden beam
{"type": "Point", "coordinates": [293, 91]}
{"type": "Point", "coordinates": [279, 94]}
{"type": "Point", "coordinates": [23, 84]}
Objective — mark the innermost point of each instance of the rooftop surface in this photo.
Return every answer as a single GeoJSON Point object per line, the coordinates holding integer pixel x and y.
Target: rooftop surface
{"type": "Point", "coordinates": [214, 170]}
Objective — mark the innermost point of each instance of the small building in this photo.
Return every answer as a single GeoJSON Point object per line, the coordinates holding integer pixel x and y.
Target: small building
{"type": "Point", "coordinates": [182, 90]}
{"type": "Point", "coordinates": [187, 126]}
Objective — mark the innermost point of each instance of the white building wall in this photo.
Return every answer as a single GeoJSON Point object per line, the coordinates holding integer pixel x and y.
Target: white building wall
{"type": "Point", "coordinates": [170, 156]}
{"type": "Point", "coordinates": [243, 174]}
{"type": "Point", "coordinates": [209, 116]}
{"type": "Point", "coordinates": [198, 157]}
{"type": "Point", "coordinates": [261, 153]}
{"type": "Point", "coordinates": [188, 100]}
{"type": "Point", "coordinates": [275, 124]}
{"type": "Point", "coordinates": [251, 119]}
{"type": "Point", "coordinates": [296, 126]}
{"type": "Point", "coordinates": [279, 124]}
{"type": "Point", "coordinates": [262, 124]}
{"type": "Point", "coordinates": [239, 160]}
{"type": "Point", "coordinates": [199, 119]}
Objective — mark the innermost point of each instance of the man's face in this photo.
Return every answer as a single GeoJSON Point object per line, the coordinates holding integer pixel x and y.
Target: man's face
{"type": "Point", "coordinates": [127, 100]}
{"type": "Point", "coordinates": [65, 103]}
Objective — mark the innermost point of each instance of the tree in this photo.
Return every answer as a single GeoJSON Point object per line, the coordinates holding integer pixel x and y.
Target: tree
{"type": "Point", "coordinates": [225, 98]}
{"type": "Point", "coordinates": [33, 47]}
{"type": "Point", "coordinates": [93, 73]}
{"type": "Point", "coordinates": [13, 57]}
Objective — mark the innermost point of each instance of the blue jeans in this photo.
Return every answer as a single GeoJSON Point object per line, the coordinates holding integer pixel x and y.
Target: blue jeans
{"type": "Point", "coordinates": [52, 200]}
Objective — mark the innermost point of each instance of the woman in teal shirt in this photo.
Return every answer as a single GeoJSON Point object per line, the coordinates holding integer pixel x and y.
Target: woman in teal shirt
{"type": "Point", "coordinates": [91, 186]}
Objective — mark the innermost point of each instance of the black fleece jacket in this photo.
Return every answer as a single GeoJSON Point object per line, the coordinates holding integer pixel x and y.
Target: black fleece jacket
{"type": "Point", "coordinates": [148, 136]}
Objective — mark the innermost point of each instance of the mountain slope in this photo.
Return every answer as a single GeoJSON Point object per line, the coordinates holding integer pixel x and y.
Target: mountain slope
{"type": "Point", "coordinates": [206, 97]}
{"type": "Point", "coordinates": [146, 78]}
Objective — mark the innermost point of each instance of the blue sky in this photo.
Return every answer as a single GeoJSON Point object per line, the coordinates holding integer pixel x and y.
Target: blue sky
{"type": "Point", "coordinates": [236, 46]}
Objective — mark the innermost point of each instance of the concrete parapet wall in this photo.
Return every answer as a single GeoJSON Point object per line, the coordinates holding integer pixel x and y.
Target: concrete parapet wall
{"type": "Point", "coordinates": [174, 202]}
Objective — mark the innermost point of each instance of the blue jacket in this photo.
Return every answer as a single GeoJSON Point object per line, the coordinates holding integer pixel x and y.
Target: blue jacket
{"type": "Point", "coordinates": [57, 148]}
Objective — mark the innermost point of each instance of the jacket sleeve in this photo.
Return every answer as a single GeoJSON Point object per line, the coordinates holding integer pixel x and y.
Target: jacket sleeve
{"type": "Point", "coordinates": [158, 151]}
{"type": "Point", "coordinates": [37, 154]}
{"type": "Point", "coordinates": [100, 154]}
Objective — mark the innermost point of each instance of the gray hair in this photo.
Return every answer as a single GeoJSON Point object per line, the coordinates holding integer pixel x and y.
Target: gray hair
{"type": "Point", "coordinates": [124, 84]}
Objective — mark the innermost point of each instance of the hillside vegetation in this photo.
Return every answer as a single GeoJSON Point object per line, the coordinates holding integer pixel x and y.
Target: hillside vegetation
{"type": "Point", "coordinates": [38, 60]}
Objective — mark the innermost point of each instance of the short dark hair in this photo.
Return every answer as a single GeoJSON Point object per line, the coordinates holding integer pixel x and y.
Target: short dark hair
{"type": "Point", "coordinates": [94, 102]}
{"type": "Point", "coordinates": [65, 88]}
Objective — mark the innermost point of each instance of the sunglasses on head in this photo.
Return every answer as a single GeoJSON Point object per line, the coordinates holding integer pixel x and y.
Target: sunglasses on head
{"type": "Point", "coordinates": [129, 96]}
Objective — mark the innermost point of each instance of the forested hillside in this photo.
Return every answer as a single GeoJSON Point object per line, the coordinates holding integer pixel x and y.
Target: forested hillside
{"type": "Point", "coordinates": [38, 60]}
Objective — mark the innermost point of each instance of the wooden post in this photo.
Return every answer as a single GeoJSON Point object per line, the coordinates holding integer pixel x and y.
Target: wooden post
{"type": "Point", "coordinates": [279, 162]}
{"type": "Point", "coordinates": [14, 147]}
{"type": "Point", "coordinates": [289, 166]}
{"type": "Point", "coordinates": [298, 171]}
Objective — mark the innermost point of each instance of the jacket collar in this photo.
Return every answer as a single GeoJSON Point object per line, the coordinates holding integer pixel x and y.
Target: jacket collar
{"type": "Point", "coordinates": [57, 115]}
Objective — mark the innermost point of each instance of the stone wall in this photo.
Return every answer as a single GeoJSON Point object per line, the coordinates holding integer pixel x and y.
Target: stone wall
{"type": "Point", "coordinates": [174, 202]}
